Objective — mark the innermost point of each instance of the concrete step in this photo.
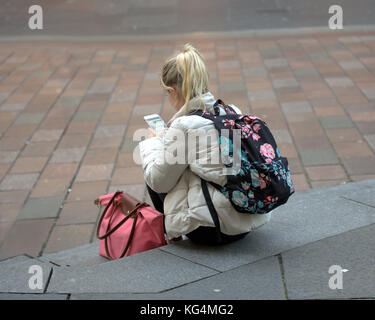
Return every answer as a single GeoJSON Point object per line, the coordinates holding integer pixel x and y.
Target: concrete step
{"type": "Point", "coordinates": [17, 275]}
{"type": "Point", "coordinates": [79, 257]}
{"type": "Point", "coordinates": [11, 261]}
{"type": "Point", "coordinates": [151, 271]}
{"type": "Point", "coordinates": [316, 219]}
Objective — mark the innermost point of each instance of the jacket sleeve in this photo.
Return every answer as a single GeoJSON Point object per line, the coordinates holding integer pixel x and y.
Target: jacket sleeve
{"type": "Point", "coordinates": [162, 164]}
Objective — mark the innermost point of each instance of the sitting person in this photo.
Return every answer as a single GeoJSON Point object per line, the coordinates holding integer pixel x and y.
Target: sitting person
{"type": "Point", "coordinates": [175, 188]}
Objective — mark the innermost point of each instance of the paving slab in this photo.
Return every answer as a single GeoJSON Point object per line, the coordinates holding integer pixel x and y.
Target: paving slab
{"type": "Point", "coordinates": [81, 256]}
{"type": "Point", "coordinates": [150, 271]}
{"type": "Point", "coordinates": [259, 280]}
{"type": "Point", "coordinates": [306, 268]}
{"type": "Point", "coordinates": [365, 196]}
{"type": "Point", "coordinates": [15, 277]}
{"type": "Point", "coordinates": [36, 208]}
{"type": "Point", "coordinates": [28, 296]}
{"type": "Point", "coordinates": [343, 190]}
{"type": "Point", "coordinates": [302, 220]}
{"type": "Point", "coordinates": [6, 263]}
{"type": "Point", "coordinates": [77, 119]}
{"type": "Point", "coordinates": [336, 122]}
{"type": "Point", "coordinates": [314, 157]}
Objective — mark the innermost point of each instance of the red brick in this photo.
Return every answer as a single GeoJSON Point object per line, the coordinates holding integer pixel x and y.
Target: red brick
{"type": "Point", "coordinates": [87, 190]}
{"type": "Point", "coordinates": [300, 183]}
{"type": "Point", "coordinates": [78, 212]}
{"type": "Point", "coordinates": [69, 236]}
{"type": "Point", "coordinates": [29, 164]}
{"type": "Point", "coordinates": [334, 172]}
{"type": "Point", "coordinates": [358, 149]}
{"type": "Point", "coordinates": [26, 237]}
{"type": "Point", "coordinates": [128, 175]}
{"type": "Point", "coordinates": [59, 170]}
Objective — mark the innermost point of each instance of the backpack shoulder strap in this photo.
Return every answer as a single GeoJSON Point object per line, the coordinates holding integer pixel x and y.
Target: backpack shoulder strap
{"type": "Point", "coordinates": [212, 209]}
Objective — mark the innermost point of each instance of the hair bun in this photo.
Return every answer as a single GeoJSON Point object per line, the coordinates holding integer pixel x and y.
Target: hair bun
{"type": "Point", "coordinates": [188, 47]}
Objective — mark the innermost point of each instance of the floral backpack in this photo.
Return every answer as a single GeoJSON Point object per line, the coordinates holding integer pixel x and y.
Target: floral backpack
{"type": "Point", "coordinates": [262, 179]}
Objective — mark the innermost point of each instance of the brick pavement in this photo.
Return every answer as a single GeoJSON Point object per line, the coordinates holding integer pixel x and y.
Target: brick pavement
{"type": "Point", "coordinates": [68, 112]}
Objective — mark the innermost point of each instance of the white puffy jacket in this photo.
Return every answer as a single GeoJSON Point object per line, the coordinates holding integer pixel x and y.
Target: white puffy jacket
{"type": "Point", "coordinates": [185, 207]}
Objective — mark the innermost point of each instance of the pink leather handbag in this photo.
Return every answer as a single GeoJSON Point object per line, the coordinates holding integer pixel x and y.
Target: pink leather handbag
{"type": "Point", "coordinates": [128, 226]}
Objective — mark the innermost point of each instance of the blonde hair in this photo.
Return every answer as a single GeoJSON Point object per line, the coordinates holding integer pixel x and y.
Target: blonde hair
{"type": "Point", "coordinates": [186, 72]}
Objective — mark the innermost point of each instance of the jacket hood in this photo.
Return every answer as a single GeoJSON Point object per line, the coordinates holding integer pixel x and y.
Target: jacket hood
{"type": "Point", "coordinates": [194, 104]}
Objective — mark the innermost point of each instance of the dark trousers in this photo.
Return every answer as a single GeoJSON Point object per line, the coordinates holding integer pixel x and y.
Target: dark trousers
{"type": "Point", "coordinates": [201, 235]}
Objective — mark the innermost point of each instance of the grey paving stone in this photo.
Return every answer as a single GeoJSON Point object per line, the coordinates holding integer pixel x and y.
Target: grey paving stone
{"type": "Point", "coordinates": [369, 93]}
{"type": "Point", "coordinates": [69, 101]}
{"type": "Point", "coordinates": [282, 136]}
{"type": "Point", "coordinates": [11, 261]}
{"type": "Point", "coordinates": [360, 166]}
{"type": "Point", "coordinates": [129, 145]}
{"type": "Point", "coordinates": [28, 296]}
{"type": "Point", "coordinates": [272, 52]}
{"type": "Point", "coordinates": [13, 106]}
{"type": "Point", "coordinates": [36, 208]}
{"type": "Point", "coordinates": [351, 65]}
{"type": "Point", "coordinates": [371, 140]}
{"type": "Point", "coordinates": [336, 122]}
{"type": "Point", "coordinates": [232, 86]}
{"type": "Point", "coordinates": [28, 118]}
{"type": "Point", "coordinates": [81, 256]}
{"type": "Point", "coordinates": [136, 66]}
{"type": "Point", "coordinates": [339, 82]}
{"type": "Point", "coordinates": [305, 72]}
{"type": "Point", "coordinates": [145, 109]}
{"type": "Point", "coordinates": [261, 95]}
{"type": "Point", "coordinates": [229, 64]}
{"type": "Point", "coordinates": [365, 196]}
{"type": "Point", "coordinates": [317, 55]}
{"type": "Point", "coordinates": [349, 39]}
{"type": "Point", "coordinates": [152, 76]}
{"type": "Point", "coordinates": [259, 280]}
{"type": "Point", "coordinates": [68, 155]}
{"type": "Point", "coordinates": [285, 83]}
{"type": "Point", "coordinates": [123, 96]}
{"type": "Point", "coordinates": [109, 131]}
{"type": "Point", "coordinates": [136, 190]}
{"type": "Point", "coordinates": [254, 71]}
{"type": "Point", "coordinates": [47, 135]}
{"type": "Point", "coordinates": [307, 217]}
{"type": "Point", "coordinates": [121, 59]}
{"type": "Point", "coordinates": [117, 296]}
{"type": "Point", "coordinates": [296, 106]}
{"type": "Point", "coordinates": [344, 190]}
{"type": "Point", "coordinates": [19, 181]}
{"type": "Point", "coordinates": [334, 46]}
{"type": "Point", "coordinates": [8, 156]}
{"type": "Point", "coordinates": [101, 88]}
{"type": "Point", "coordinates": [14, 278]}
{"type": "Point", "coordinates": [312, 157]}
{"type": "Point", "coordinates": [163, 51]}
{"type": "Point", "coordinates": [275, 63]}
{"type": "Point", "coordinates": [306, 268]}
{"type": "Point", "coordinates": [91, 115]}
{"type": "Point", "coordinates": [150, 271]}
{"type": "Point", "coordinates": [4, 95]}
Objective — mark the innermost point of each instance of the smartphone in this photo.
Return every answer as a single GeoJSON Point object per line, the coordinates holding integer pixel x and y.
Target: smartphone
{"type": "Point", "coordinates": [155, 122]}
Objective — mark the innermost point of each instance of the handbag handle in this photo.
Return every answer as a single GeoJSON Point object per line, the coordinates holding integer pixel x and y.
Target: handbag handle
{"type": "Point", "coordinates": [109, 232]}
{"type": "Point", "coordinates": [102, 217]}
{"type": "Point", "coordinates": [127, 244]}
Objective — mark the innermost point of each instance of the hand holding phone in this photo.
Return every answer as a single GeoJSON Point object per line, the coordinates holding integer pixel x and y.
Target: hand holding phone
{"type": "Point", "coordinates": [155, 122]}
